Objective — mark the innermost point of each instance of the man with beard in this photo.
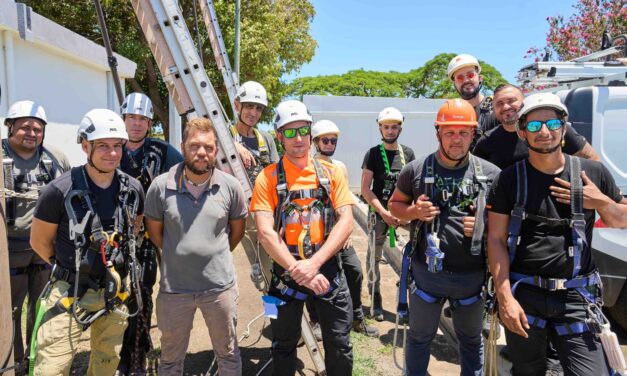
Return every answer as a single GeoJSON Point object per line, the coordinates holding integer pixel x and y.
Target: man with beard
{"type": "Point", "coordinates": [144, 158]}
{"type": "Point", "coordinates": [444, 197]}
{"type": "Point", "coordinates": [503, 147]}
{"type": "Point", "coordinates": [28, 167]}
{"type": "Point", "coordinates": [325, 135]}
{"type": "Point", "coordinates": [465, 72]}
{"type": "Point", "coordinates": [304, 216]}
{"type": "Point", "coordinates": [86, 219]}
{"type": "Point", "coordinates": [380, 169]}
{"type": "Point", "coordinates": [541, 214]}
{"type": "Point", "coordinates": [196, 214]}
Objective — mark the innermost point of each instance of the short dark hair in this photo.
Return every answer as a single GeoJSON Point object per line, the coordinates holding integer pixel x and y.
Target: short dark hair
{"type": "Point", "coordinates": [200, 124]}
{"type": "Point", "coordinates": [502, 87]}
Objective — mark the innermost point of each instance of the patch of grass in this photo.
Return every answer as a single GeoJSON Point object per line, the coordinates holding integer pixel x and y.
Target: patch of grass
{"type": "Point", "coordinates": [363, 365]}
{"type": "Point", "coordinates": [386, 349]}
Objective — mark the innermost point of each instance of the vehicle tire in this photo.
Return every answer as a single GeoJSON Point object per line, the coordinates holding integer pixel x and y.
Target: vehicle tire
{"type": "Point", "coordinates": [618, 311]}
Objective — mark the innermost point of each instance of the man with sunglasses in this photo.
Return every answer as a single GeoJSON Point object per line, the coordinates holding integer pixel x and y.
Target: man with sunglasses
{"type": "Point", "coordinates": [541, 214]}
{"type": "Point", "coordinates": [325, 136]}
{"type": "Point", "coordinates": [303, 211]}
{"type": "Point", "coordinates": [503, 147]}
{"type": "Point", "coordinates": [465, 72]}
{"type": "Point", "coordinates": [380, 169]}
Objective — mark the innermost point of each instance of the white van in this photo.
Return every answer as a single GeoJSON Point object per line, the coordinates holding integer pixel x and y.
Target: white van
{"type": "Point", "coordinates": [600, 114]}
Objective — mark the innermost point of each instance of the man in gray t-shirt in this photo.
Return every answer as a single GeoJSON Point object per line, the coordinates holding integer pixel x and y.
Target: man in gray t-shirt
{"type": "Point", "coordinates": [28, 167]}
{"type": "Point", "coordinates": [196, 214]}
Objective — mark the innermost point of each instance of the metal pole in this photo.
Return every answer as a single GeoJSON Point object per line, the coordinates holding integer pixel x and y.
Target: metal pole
{"type": "Point", "coordinates": [237, 37]}
{"type": "Point", "coordinates": [113, 62]}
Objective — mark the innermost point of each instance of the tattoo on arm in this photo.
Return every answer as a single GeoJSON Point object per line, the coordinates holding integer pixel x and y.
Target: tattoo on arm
{"type": "Point", "coordinates": [341, 210]}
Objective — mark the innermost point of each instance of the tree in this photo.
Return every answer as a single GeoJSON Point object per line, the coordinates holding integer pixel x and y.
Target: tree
{"type": "Point", "coordinates": [275, 41]}
{"type": "Point", "coordinates": [581, 33]}
{"type": "Point", "coordinates": [429, 81]}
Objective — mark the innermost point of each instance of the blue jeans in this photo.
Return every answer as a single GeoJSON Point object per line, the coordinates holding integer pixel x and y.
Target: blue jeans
{"type": "Point", "coordinates": [424, 318]}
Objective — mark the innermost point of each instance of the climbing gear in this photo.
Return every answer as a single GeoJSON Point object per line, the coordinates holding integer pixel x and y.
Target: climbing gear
{"type": "Point", "coordinates": [461, 61]}
{"type": "Point", "coordinates": [542, 100]}
{"type": "Point", "coordinates": [323, 127]}
{"type": "Point", "coordinates": [456, 112]}
{"type": "Point", "coordinates": [137, 104]}
{"type": "Point", "coordinates": [290, 111]}
{"type": "Point", "coordinates": [150, 164]}
{"type": "Point", "coordinates": [99, 124]}
{"type": "Point", "coordinates": [390, 114]}
{"type": "Point", "coordinates": [16, 180]}
{"type": "Point", "coordinates": [23, 109]}
{"type": "Point", "coordinates": [252, 92]}
{"type": "Point", "coordinates": [261, 155]}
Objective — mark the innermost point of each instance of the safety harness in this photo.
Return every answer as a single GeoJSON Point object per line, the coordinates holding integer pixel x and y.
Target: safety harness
{"type": "Point", "coordinates": [289, 212]}
{"type": "Point", "coordinates": [262, 155]}
{"type": "Point", "coordinates": [433, 255]}
{"type": "Point", "coordinates": [577, 224]}
{"type": "Point", "coordinates": [388, 185]}
{"type": "Point", "coordinates": [152, 164]}
{"type": "Point", "coordinates": [17, 181]}
{"type": "Point", "coordinates": [485, 110]}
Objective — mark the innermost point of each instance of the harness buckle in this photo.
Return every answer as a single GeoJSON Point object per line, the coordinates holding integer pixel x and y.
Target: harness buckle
{"type": "Point", "coordinates": [551, 284]}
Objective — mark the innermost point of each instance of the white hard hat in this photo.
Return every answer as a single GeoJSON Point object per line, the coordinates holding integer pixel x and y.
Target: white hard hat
{"type": "Point", "coordinates": [324, 127]}
{"type": "Point", "coordinates": [99, 124]}
{"type": "Point", "coordinates": [542, 100]}
{"type": "Point", "coordinates": [461, 61]}
{"type": "Point", "coordinates": [137, 104]}
{"type": "Point", "coordinates": [252, 92]}
{"type": "Point", "coordinates": [390, 114]}
{"type": "Point", "coordinates": [24, 109]}
{"type": "Point", "coordinates": [290, 111]}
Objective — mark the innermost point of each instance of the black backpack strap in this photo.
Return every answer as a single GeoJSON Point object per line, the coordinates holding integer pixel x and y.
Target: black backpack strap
{"type": "Point", "coordinates": [478, 232]}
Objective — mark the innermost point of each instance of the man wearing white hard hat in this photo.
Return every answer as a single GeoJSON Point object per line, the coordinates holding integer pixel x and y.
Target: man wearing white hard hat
{"type": "Point", "coordinates": [465, 72]}
{"type": "Point", "coordinates": [303, 211]}
{"type": "Point", "coordinates": [28, 167]}
{"type": "Point", "coordinates": [541, 214]}
{"type": "Point", "coordinates": [380, 169]}
{"type": "Point", "coordinates": [87, 220]}
{"type": "Point", "coordinates": [144, 158]}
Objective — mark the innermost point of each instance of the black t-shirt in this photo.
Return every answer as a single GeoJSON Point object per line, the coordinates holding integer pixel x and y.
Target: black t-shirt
{"type": "Point", "coordinates": [51, 208]}
{"type": "Point", "coordinates": [133, 161]}
{"type": "Point", "coordinates": [454, 191]}
{"type": "Point", "coordinates": [373, 161]}
{"type": "Point", "coordinates": [542, 249]}
{"type": "Point", "coordinates": [504, 148]}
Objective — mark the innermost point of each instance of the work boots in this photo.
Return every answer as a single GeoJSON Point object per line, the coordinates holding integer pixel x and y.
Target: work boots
{"type": "Point", "coordinates": [377, 307]}
{"type": "Point", "coordinates": [360, 326]}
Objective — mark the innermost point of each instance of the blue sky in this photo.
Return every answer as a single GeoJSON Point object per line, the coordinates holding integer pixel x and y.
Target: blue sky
{"type": "Point", "coordinates": [402, 35]}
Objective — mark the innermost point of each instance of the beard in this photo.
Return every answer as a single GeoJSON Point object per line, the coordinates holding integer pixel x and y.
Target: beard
{"type": "Point", "coordinates": [197, 170]}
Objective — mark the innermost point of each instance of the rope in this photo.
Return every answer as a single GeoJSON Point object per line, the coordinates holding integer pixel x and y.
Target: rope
{"type": "Point", "coordinates": [7, 193]}
{"type": "Point", "coordinates": [490, 364]}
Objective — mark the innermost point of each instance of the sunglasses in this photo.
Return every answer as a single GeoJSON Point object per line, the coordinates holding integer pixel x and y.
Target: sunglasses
{"type": "Point", "coordinates": [551, 124]}
{"type": "Point", "coordinates": [463, 77]}
{"type": "Point", "coordinates": [326, 141]}
{"type": "Point", "coordinates": [291, 133]}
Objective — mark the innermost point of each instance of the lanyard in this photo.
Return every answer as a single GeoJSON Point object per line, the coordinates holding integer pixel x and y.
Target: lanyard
{"type": "Point", "coordinates": [384, 155]}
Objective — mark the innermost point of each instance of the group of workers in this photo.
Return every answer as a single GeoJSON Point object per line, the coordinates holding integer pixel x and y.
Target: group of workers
{"type": "Point", "coordinates": [510, 194]}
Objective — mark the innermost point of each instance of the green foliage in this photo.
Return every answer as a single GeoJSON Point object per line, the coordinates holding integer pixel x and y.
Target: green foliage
{"type": "Point", "coordinates": [428, 81]}
{"type": "Point", "coordinates": [275, 41]}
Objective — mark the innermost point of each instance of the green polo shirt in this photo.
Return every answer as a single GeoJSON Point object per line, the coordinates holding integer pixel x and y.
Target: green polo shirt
{"type": "Point", "coordinates": [196, 254]}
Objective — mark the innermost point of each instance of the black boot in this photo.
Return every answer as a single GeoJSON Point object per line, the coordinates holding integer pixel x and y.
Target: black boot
{"type": "Point", "coordinates": [360, 326]}
{"type": "Point", "coordinates": [377, 307]}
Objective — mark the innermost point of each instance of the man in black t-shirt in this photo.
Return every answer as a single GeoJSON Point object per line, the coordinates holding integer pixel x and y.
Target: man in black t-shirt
{"type": "Point", "coordinates": [442, 195]}
{"type": "Point", "coordinates": [503, 147]}
{"type": "Point", "coordinates": [546, 280]}
{"type": "Point", "coordinates": [380, 169]}
{"type": "Point", "coordinates": [92, 211]}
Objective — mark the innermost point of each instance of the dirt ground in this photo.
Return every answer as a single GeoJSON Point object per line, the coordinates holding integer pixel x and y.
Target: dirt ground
{"type": "Point", "coordinates": [373, 356]}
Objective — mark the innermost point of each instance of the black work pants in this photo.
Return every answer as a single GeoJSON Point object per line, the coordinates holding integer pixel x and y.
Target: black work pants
{"type": "Point", "coordinates": [334, 313]}
{"type": "Point", "coordinates": [354, 279]}
{"type": "Point", "coordinates": [579, 354]}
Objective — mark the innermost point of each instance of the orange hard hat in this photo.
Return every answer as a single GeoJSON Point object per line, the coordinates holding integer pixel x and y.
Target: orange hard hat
{"type": "Point", "coordinates": [456, 112]}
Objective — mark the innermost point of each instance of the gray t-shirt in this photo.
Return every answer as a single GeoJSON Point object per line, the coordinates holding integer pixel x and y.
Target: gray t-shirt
{"type": "Point", "coordinates": [454, 191]}
{"type": "Point", "coordinates": [29, 176]}
{"type": "Point", "coordinates": [196, 253]}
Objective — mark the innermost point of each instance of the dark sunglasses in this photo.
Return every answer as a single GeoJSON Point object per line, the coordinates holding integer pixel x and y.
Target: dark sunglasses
{"type": "Point", "coordinates": [326, 141]}
{"type": "Point", "coordinates": [291, 133]}
{"type": "Point", "coordinates": [551, 124]}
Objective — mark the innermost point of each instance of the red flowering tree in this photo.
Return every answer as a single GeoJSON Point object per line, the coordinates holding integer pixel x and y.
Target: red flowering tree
{"type": "Point", "coordinates": [581, 33]}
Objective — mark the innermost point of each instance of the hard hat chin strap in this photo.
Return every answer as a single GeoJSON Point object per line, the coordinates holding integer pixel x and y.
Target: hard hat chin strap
{"type": "Point", "coordinates": [458, 160]}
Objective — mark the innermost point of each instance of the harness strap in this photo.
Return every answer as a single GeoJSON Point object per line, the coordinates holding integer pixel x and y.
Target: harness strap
{"type": "Point", "coordinates": [477, 234]}
{"type": "Point", "coordinates": [440, 300]}
{"type": "Point", "coordinates": [285, 290]}
{"type": "Point", "coordinates": [565, 329]}
{"type": "Point", "coordinates": [518, 212]}
{"type": "Point", "coordinates": [261, 143]}
{"type": "Point", "coordinates": [555, 284]}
